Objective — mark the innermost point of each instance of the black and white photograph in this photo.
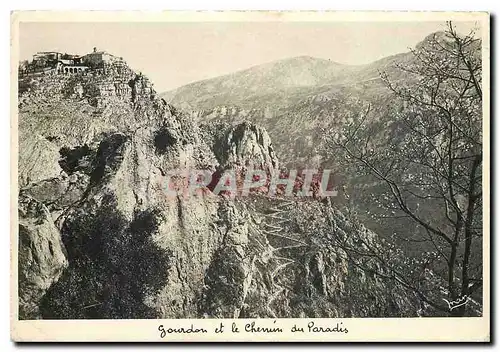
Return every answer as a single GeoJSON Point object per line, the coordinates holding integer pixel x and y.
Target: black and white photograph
{"type": "Point", "coordinates": [245, 171]}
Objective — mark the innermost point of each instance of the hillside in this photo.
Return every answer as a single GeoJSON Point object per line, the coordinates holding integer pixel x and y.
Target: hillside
{"type": "Point", "coordinates": [296, 115]}
{"type": "Point", "coordinates": [99, 237]}
{"type": "Point", "coordinates": [306, 103]}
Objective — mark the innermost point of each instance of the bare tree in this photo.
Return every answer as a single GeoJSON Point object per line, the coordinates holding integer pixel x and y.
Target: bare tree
{"type": "Point", "coordinates": [427, 156]}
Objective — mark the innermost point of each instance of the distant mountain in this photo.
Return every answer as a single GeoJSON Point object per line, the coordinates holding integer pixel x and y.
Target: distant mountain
{"type": "Point", "coordinates": [280, 83]}
{"type": "Point", "coordinates": [257, 81]}
{"type": "Point", "coordinates": [284, 82]}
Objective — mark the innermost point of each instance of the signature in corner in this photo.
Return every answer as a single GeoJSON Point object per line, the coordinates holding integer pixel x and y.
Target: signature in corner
{"type": "Point", "coordinates": [457, 303]}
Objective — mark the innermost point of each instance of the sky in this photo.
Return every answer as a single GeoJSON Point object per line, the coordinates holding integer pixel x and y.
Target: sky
{"type": "Point", "coordinates": [173, 54]}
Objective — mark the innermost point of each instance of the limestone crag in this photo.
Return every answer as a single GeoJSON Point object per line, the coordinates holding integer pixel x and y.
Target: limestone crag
{"type": "Point", "coordinates": [247, 144]}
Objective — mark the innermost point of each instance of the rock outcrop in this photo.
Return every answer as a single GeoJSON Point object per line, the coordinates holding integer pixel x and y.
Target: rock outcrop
{"type": "Point", "coordinates": [249, 144]}
{"type": "Point", "coordinates": [42, 256]}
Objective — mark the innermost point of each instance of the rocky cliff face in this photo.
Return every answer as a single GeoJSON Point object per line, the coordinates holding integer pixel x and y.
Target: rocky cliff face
{"type": "Point", "coordinates": [99, 237]}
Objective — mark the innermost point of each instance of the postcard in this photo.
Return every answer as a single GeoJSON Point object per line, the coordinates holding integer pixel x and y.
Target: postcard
{"type": "Point", "coordinates": [250, 176]}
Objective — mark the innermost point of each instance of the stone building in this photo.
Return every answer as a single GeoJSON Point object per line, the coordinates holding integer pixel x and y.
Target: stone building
{"type": "Point", "coordinates": [97, 58]}
{"type": "Point", "coordinates": [99, 62]}
{"type": "Point", "coordinates": [45, 56]}
{"type": "Point", "coordinates": [53, 61]}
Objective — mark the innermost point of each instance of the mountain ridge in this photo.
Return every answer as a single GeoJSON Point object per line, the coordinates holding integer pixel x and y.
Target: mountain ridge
{"type": "Point", "coordinates": [305, 59]}
{"type": "Point", "coordinates": [284, 76]}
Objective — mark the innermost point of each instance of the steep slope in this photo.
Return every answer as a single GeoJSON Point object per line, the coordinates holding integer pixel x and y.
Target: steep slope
{"type": "Point", "coordinates": [299, 118]}
{"type": "Point", "coordinates": [101, 238]}
{"type": "Point", "coordinates": [104, 189]}
{"type": "Point", "coordinates": [290, 264]}
{"type": "Point", "coordinates": [296, 118]}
